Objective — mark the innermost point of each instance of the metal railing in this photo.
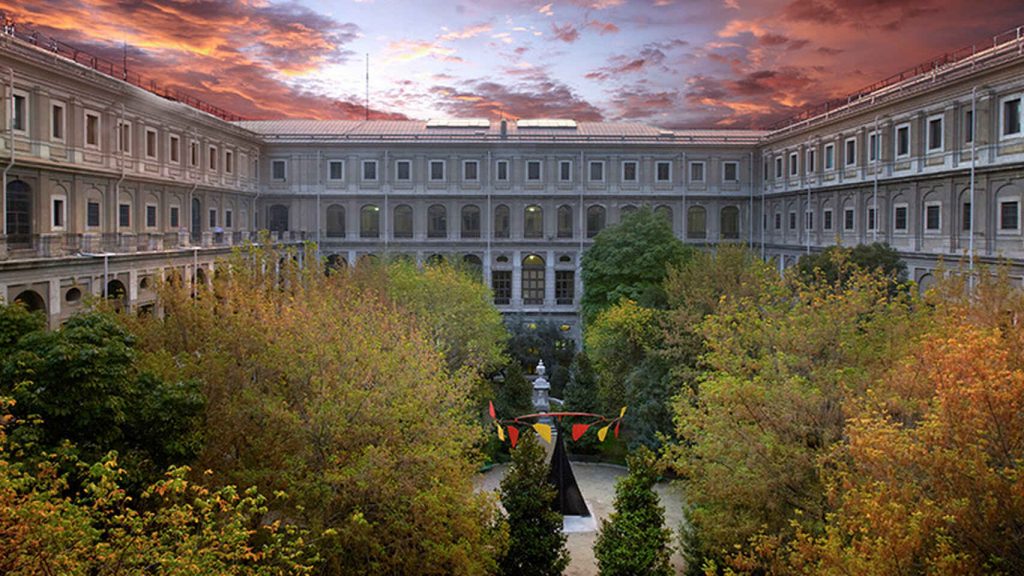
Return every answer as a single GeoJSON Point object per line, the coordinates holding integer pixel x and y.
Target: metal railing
{"type": "Point", "coordinates": [108, 68]}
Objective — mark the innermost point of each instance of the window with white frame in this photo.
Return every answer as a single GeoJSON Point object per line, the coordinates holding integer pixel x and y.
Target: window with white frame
{"type": "Point", "coordinates": [873, 147]}
{"type": "Point", "coordinates": [335, 170]}
{"type": "Point", "coordinates": [437, 170]}
{"type": "Point", "coordinates": [792, 220]}
{"type": "Point", "coordinates": [851, 151]}
{"type": "Point", "coordinates": [872, 222]}
{"type": "Point", "coordinates": [92, 130]}
{"type": "Point", "coordinates": [124, 137]}
{"type": "Point", "coordinates": [174, 149]}
{"type": "Point", "coordinates": [932, 216]}
{"type": "Point", "coordinates": [793, 167]}
{"type": "Point", "coordinates": [124, 215]}
{"type": "Point", "coordinates": [92, 214]}
{"type": "Point", "coordinates": [565, 171]}
{"type": "Point", "coordinates": [369, 170]}
{"type": "Point", "coordinates": [809, 220]}
{"type": "Point", "coordinates": [596, 170]}
{"type": "Point", "coordinates": [533, 171]}
{"type": "Point", "coordinates": [730, 171]}
{"type": "Point", "coordinates": [778, 167]}
{"type": "Point", "coordinates": [899, 217]}
{"type": "Point", "coordinates": [403, 170]}
{"type": "Point", "coordinates": [1010, 113]}
{"type": "Point", "coordinates": [57, 122]}
{"type": "Point", "coordinates": [229, 161]}
{"type": "Point", "coordinates": [826, 219]}
{"type": "Point", "coordinates": [213, 217]}
{"type": "Point", "coordinates": [19, 120]}
{"type": "Point", "coordinates": [229, 218]}
{"type": "Point", "coordinates": [175, 217]}
{"type": "Point", "coordinates": [848, 219]}
{"type": "Point", "coordinates": [902, 143]}
{"type": "Point", "coordinates": [1009, 215]}
{"type": "Point", "coordinates": [278, 170]}
{"type": "Point", "coordinates": [935, 143]}
{"type": "Point", "coordinates": [501, 171]}
{"type": "Point", "coordinates": [697, 171]}
{"type": "Point", "coordinates": [150, 215]}
{"type": "Point", "coordinates": [809, 161]}
{"type": "Point", "coordinates": [630, 171]}
{"type": "Point", "coordinates": [59, 212]}
{"type": "Point", "coordinates": [830, 156]}
{"type": "Point", "coordinates": [151, 143]}
{"type": "Point", "coordinates": [663, 171]}
{"type": "Point", "coordinates": [470, 171]}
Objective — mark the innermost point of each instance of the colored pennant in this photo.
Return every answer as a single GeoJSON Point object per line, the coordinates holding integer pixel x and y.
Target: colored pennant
{"type": "Point", "coordinates": [602, 433]}
{"type": "Point", "coordinates": [622, 412]}
{"type": "Point", "coordinates": [617, 429]}
{"type": "Point", "coordinates": [578, 430]}
{"type": "Point", "coordinates": [501, 431]}
{"type": "Point", "coordinates": [490, 409]}
{"type": "Point", "coordinates": [513, 435]}
{"type": "Point", "coordinates": [544, 431]}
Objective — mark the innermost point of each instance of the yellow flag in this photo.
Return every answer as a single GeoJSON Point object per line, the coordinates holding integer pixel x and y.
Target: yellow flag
{"type": "Point", "coordinates": [622, 412]}
{"type": "Point", "coordinates": [501, 433]}
{"type": "Point", "coordinates": [603, 432]}
{"type": "Point", "coordinates": [544, 430]}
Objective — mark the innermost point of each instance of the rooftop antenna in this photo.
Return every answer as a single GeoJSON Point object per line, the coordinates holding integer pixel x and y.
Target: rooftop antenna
{"type": "Point", "coordinates": [366, 106]}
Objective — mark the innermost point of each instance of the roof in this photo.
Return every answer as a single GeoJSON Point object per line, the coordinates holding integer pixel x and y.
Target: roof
{"type": "Point", "coordinates": [414, 130]}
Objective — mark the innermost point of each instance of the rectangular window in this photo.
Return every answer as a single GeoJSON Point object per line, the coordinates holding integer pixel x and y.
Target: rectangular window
{"type": "Point", "coordinates": [213, 217]}
{"type": "Point", "coordinates": [470, 170]}
{"type": "Point", "coordinates": [629, 171]}
{"type": "Point", "coordinates": [873, 147]}
{"type": "Point", "coordinates": [848, 219]}
{"type": "Point", "coordinates": [193, 154]}
{"type": "Point", "coordinates": [565, 287]}
{"type": "Point", "coordinates": [903, 141]}
{"type": "Point", "coordinates": [778, 221]}
{"type": "Point", "coordinates": [933, 217]}
{"type": "Point", "coordinates": [899, 219]}
{"type": "Point", "coordinates": [502, 171]}
{"type": "Point", "coordinates": [92, 215]}
{"type": "Point", "coordinates": [150, 216]}
{"type": "Point", "coordinates": [766, 170]}
{"type": "Point", "coordinates": [565, 171]}
{"type": "Point", "coordinates": [150, 143]}
{"type": "Point", "coordinates": [124, 137]}
{"type": "Point", "coordinates": [809, 162]}
{"type": "Point", "coordinates": [792, 220]}
{"type": "Point", "coordinates": [501, 284]}
{"type": "Point", "coordinates": [124, 215]}
{"type": "Point", "coordinates": [20, 120]}
{"type": "Point", "coordinates": [969, 126]}
{"type": "Point", "coordinates": [437, 170]}
{"type": "Point", "coordinates": [175, 149]}
{"type": "Point", "coordinates": [175, 217]}
{"type": "Point", "coordinates": [228, 218]}
{"type": "Point", "coordinates": [871, 218]}
{"type": "Point", "coordinates": [403, 170]}
{"type": "Point", "coordinates": [278, 170]}
{"type": "Point", "coordinates": [935, 134]}
{"type": "Point", "coordinates": [57, 121]}
{"type": "Point", "coordinates": [1011, 116]}
{"type": "Point", "coordinates": [809, 220]}
{"type": "Point", "coordinates": [597, 171]}
{"type": "Point", "coordinates": [369, 170]}
{"type": "Point", "coordinates": [663, 172]}
{"type": "Point", "coordinates": [212, 159]}
{"type": "Point", "coordinates": [778, 168]}
{"type": "Point", "coordinates": [826, 219]}
{"type": "Point", "coordinates": [1009, 215]}
{"type": "Point", "coordinates": [335, 170]}
{"type": "Point", "coordinates": [533, 171]}
{"type": "Point", "coordinates": [793, 168]}
{"type": "Point", "coordinates": [830, 156]}
{"type": "Point", "coordinates": [965, 216]}
{"type": "Point", "coordinates": [229, 161]}
{"type": "Point", "coordinates": [730, 171]}
{"type": "Point", "coordinates": [851, 151]}
{"type": "Point", "coordinates": [696, 171]}
{"type": "Point", "coordinates": [58, 212]}
{"type": "Point", "coordinates": [92, 130]}
{"type": "Point", "coordinates": [533, 285]}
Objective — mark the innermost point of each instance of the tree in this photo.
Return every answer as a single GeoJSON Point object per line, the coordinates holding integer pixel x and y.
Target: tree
{"type": "Point", "coordinates": [513, 394]}
{"type": "Point", "coordinates": [835, 264]}
{"type": "Point", "coordinates": [531, 342]}
{"type": "Point", "coordinates": [630, 260]}
{"type": "Point", "coordinates": [581, 396]}
{"type": "Point", "coordinates": [633, 539]}
{"type": "Point", "coordinates": [536, 543]}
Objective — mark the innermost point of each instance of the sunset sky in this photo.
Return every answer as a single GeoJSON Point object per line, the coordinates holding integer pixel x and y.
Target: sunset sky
{"type": "Point", "coordinates": [671, 63]}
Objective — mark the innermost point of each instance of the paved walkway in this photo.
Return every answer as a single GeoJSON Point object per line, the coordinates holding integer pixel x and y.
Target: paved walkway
{"type": "Point", "coordinates": [597, 482]}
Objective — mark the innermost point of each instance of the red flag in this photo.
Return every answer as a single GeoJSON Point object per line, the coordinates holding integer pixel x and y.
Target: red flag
{"type": "Point", "coordinates": [490, 408]}
{"type": "Point", "coordinates": [513, 435]}
{"type": "Point", "coordinates": [579, 430]}
{"type": "Point", "coordinates": [617, 429]}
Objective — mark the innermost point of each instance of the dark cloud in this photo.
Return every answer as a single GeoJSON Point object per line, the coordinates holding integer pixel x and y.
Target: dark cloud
{"type": "Point", "coordinates": [633, 104]}
{"type": "Point", "coordinates": [567, 33]}
{"type": "Point", "coordinates": [540, 99]}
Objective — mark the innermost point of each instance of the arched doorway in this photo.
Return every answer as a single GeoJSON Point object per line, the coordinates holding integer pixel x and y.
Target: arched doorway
{"type": "Point", "coordinates": [31, 300]}
{"type": "Point", "coordinates": [19, 214]}
{"type": "Point", "coordinates": [117, 294]}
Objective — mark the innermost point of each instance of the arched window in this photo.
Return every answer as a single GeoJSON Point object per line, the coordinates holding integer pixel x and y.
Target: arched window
{"type": "Point", "coordinates": [335, 221]}
{"type": "Point", "coordinates": [730, 222]}
{"type": "Point", "coordinates": [533, 280]}
{"type": "Point", "coordinates": [696, 223]}
{"type": "Point", "coordinates": [533, 222]}
{"type": "Point", "coordinates": [501, 221]}
{"type": "Point", "coordinates": [474, 266]}
{"type": "Point", "coordinates": [470, 221]}
{"type": "Point", "coordinates": [565, 221]}
{"type": "Point", "coordinates": [595, 220]}
{"type": "Point", "coordinates": [437, 222]}
{"type": "Point", "coordinates": [369, 221]}
{"type": "Point", "coordinates": [403, 221]}
{"type": "Point", "coordinates": [19, 214]}
{"type": "Point", "coordinates": [435, 259]}
{"type": "Point", "coordinates": [117, 293]}
{"type": "Point", "coordinates": [666, 213]}
{"type": "Point", "coordinates": [278, 218]}
{"type": "Point", "coordinates": [31, 300]}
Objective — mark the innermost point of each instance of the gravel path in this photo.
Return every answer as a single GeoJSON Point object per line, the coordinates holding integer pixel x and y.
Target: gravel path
{"type": "Point", "coordinates": [597, 482]}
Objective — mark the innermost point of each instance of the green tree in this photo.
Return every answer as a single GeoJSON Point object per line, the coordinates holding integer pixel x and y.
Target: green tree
{"type": "Point", "coordinates": [581, 396]}
{"type": "Point", "coordinates": [633, 539]}
{"type": "Point", "coordinates": [513, 393]}
{"type": "Point", "coordinates": [835, 264]}
{"type": "Point", "coordinates": [532, 341]}
{"type": "Point", "coordinates": [630, 260]}
{"type": "Point", "coordinates": [536, 543]}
